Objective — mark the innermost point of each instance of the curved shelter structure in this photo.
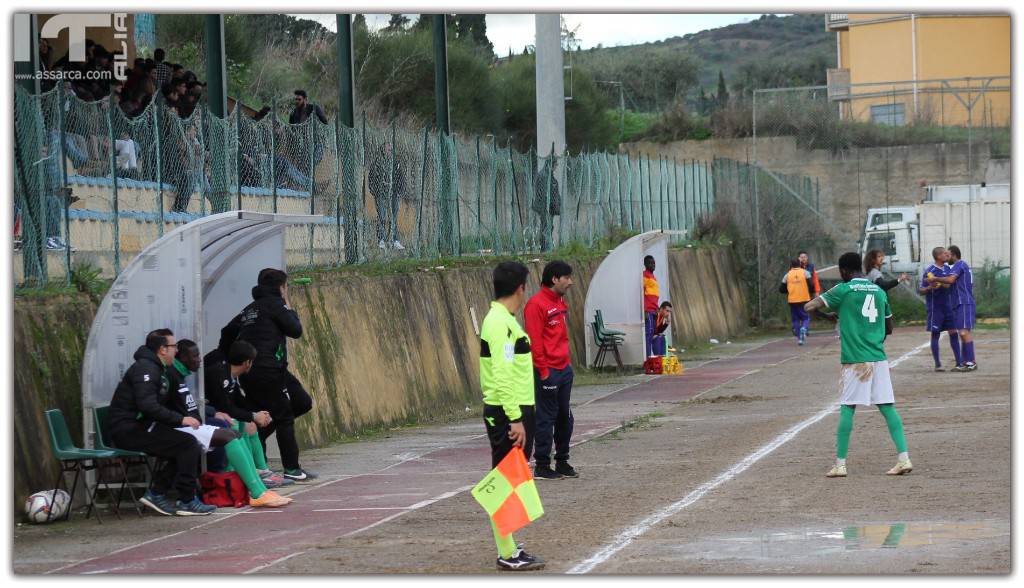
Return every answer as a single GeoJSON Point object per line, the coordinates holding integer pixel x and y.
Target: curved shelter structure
{"type": "Point", "coordinates": [192, 281]}
{"type": "Point", "coordinates": [617, 291]}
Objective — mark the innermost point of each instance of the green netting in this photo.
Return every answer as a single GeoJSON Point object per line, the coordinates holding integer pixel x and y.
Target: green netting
{"type": "Point", "coordinates": [384, 193]}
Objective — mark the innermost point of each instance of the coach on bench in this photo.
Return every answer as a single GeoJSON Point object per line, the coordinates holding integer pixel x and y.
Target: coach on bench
{"type": "Point", "coordinates": [140, 421]}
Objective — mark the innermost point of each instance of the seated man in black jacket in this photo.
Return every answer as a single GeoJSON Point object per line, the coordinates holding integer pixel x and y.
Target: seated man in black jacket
{"type": "Point", "coordinates": [225, 395]}
{"type": "Point", "coordinates": [267, 323]}
{"type": "Point", "coordinates": [141, 421]}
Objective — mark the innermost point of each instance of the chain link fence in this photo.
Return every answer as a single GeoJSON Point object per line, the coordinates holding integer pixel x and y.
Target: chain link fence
{"type": "Point", "coordinates": [824, 155]}
{"type": "Point", "coordinates": [93, 187]}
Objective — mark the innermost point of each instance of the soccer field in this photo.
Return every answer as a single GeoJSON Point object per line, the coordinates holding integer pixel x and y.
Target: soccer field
{"type": "Point", "coordinates": [719, 471]}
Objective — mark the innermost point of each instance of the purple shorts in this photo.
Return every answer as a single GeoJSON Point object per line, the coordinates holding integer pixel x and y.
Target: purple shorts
{"type": "Point", "coordinates": [963, 317]}
{"type": "Point", "coordinates": [941, 319]}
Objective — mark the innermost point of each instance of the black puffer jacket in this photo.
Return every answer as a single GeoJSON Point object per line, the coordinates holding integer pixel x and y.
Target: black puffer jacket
{"type": "Point", "coordinates": [142, 394]}
{"type": "Point", "coordinates": [222, 391]}
{"type": "Point", "coordinates": [266, 323]}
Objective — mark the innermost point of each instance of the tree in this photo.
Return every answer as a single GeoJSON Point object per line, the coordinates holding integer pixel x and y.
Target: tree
{"type": "Point", "coordinates": [397, 23]}
{"type": "Point", "coordinates": [722, 98]}
{"type": "Point", "coordinates": [471, 27]}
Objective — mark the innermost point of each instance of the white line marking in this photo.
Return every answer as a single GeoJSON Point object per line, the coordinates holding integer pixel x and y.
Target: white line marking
{"type": "Point", "coordinates": [153, 540]}
{"type": "Point", "coordinates": [179, 556]}
{"type": "Point", "coordinates": [362, 509]}
{"type": "Point", "coordinates": [631, 533]}
{"type": "Point", "coordinates": [959, 406]}
{"type": "Point", "coordinates": [623, 539]}
{"type": "Point", "coordinates": [275, 562]}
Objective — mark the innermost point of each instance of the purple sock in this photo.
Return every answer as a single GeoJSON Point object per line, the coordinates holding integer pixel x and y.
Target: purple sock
{"type": "Point", "coordinates": [969, 352]}
{"type": "Point", "coordinates": [935, 348]}
{"type": "Point", "coordinates": [954, 342]}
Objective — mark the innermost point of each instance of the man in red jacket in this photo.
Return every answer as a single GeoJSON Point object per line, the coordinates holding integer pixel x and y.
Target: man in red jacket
{"type": "Point", "coordinates": [545, 316]}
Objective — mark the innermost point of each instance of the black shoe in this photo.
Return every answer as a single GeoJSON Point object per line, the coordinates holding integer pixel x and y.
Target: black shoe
{"type": "Point", "coordinates": [563, 467]}
{"type": "Point", "coordinates": [939, 368]}
{"type": "Point", "coordinates": [970, 366]}
{"type": "Point", "coordinates": [520, 562]}
{"type": "Point", "coordinates": [546, 473]}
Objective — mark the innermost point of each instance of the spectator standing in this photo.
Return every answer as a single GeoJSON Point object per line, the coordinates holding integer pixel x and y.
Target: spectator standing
{"type": "Point", "coordinates": [651, 296]}
{"type": "Point", "coordinates": [545, 315]}
{"type": "Point", "coordinates": [162, 70]}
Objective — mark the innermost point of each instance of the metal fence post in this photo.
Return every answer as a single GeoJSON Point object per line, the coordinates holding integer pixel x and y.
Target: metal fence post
{"type": "Point", "coordinates": [157, 119]}
{"type": "Point", "coordinates": [238, 152]}
{"type": "Point", "coordinates": [113, 178]}
{"type": "Point", "coordinates": [423, 187]}
{"type": "Point", "coordinates": [65, 201]}
{"type": "Point", "coordinates": [273, 153]}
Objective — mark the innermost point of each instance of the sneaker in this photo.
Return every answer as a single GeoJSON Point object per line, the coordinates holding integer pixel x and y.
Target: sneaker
{"type": "Point", "coordinates": [803, 336]}
{"type": "Point", "coordinates": [269, 499]}
{"type": "Point", "coordinates": [52, 244]}
{"type": "Point", "coordinates": [398, 245]}
{"type": "Point", "coordinates": [268, 477]}
{"type": "Point", "coordinates": [563, 467]}
{"type": "Point", "coordinates": [960, 368]}
{"type": "Point", "coordinates": [193, 508]}
{"type": "Point", "coordinates": [837, 471]}
{"type": "Point", "coordinates": [546, 473]}
{"type": "Point", "coordinates": [157, 502]}
{"type": "Point", "coordinates": [970, 366]}
{"type": "Point", "coordinates": [903, 467]}
{"type": "Point", "coordinates": [939, 368]}
{"type": "Point", "coordinates": [520, 562]}
{"type": "Point", "coordinates": [276, 482]}
{"type": "Point", "coordinates": [300, 475]}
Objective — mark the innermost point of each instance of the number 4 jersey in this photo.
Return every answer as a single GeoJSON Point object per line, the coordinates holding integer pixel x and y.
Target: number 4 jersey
{"type": "Point", "coordinates": [863, 308]}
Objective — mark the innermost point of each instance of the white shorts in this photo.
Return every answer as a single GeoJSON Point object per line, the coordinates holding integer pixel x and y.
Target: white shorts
{"type": "Point", "coordinates": [204, 434]}
{"type": "Point", "coordinates": [866, 383]}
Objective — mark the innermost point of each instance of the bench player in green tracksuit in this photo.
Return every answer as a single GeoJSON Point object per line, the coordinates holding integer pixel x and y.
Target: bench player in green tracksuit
{"type": "Point", "coordinates": [865, 319]}
{"type": "Point", "coordinates": [506, 379]}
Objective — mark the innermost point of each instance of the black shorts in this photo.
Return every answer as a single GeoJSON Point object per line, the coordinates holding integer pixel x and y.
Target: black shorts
{"type": "Point", "coordinates": [497, 432]}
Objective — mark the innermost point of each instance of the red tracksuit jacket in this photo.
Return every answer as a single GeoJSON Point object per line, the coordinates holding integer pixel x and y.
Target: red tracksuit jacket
{"type": "Point", "coordinates": [545, 315]}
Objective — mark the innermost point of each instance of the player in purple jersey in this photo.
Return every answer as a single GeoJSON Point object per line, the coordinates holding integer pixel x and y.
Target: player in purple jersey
{"type": "Point", "coordinates": [940, 307]}
{"type": "Point", "coordinates": [962, 300]}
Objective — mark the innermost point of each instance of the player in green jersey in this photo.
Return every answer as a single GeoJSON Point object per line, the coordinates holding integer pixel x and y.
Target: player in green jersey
{"type": "Point", "coordinates": [865, 319]}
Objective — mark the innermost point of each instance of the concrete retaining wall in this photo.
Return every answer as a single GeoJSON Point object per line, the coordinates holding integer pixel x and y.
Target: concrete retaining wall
{"type": "Point", "coordinates": [376, 351]}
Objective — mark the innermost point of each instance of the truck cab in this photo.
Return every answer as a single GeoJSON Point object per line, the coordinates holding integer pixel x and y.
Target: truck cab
{"type": "Point", "coordinates": [896, 231]}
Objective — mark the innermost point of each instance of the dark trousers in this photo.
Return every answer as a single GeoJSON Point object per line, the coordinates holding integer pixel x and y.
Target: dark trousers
{"type": "Point", "coordinates": [217, 457]}
{"type": "Point", "coordinates": [553, 415]}
{"type": "Point", "coordinates": [650, 322]}
{"type": "Point", "coordinates": [799, 317]}
{"type": "Point", "coordinates": [278, 392]}
{"type": "Point", "coordinates": [497, 432]}
{"type": "Point", "coordinates": [181, 450]}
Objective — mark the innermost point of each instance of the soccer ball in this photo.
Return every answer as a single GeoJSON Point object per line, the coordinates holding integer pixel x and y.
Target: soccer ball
{"type": "Point", "coordinates": [38, 506]}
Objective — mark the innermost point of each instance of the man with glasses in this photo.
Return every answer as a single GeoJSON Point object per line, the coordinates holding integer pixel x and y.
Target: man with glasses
{"type": "Point", "coordinates": [141, 421]}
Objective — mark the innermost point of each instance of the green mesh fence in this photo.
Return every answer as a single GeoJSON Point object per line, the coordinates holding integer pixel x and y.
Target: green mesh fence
{"type": "Point", "coordinates": [94, 187]}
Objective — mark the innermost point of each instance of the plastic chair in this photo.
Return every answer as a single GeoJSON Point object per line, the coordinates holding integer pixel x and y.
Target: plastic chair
{"type": "Point", "coordinates": [599, 318]}
{"type": "Point", "coordinates": [72, 459]}
{"type": "Point", "coordinates": [125, 457]}
{"type": "Point", "coordinates": [605, 344]}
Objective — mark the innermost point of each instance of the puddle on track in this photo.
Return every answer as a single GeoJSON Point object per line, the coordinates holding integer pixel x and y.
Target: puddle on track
{"type": "Point", "coordinates": [853, 538]}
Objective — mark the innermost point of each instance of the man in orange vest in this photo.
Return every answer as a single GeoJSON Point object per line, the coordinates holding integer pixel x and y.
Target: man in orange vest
{"type": "Point", "coordinates": [651, 296]}
{"type": "Point", "coordinates": [797, 284]}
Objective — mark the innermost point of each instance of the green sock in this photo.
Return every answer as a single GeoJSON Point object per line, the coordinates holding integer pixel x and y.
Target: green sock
{"type": "Point", "coordinates": [895, 424]}
{"type": "Point", "coordinates": [241, 462]}
{"type": "Point", "coordinates": [844, 430]}
{"type": "Point", "coordinates": [506, 544]}
{"type": "Point", "coordinates": [255, 447]}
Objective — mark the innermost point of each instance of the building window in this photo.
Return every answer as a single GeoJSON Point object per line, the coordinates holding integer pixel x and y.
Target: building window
{"type": "Point", "coordinates": [884, 241]}
{"type": "Point", "coordinates": [889, 114]}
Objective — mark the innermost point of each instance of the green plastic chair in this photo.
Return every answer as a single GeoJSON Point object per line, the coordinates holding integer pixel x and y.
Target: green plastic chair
{"type": "Point", "coordinates": [125, 457]}
{"type": "Point", "coordinates": [606, 344]}
{"type": "Point", "coordinates": [72, 459]}
{"type": "Point", "coordinates": [599, 318]}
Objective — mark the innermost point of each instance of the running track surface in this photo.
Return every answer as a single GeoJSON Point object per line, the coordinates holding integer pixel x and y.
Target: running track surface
{"type": "Point", "coordinates": [342, 507]}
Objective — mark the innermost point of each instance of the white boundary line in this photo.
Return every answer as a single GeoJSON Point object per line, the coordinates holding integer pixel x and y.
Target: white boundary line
{"type": "Point", "coordinates": [623, 539]}
{"type": "Point", "coordinates": [275, 562]}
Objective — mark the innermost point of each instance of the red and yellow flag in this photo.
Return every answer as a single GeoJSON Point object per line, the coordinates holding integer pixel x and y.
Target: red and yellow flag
{"type": "Point", "coordinates": [509, 494]}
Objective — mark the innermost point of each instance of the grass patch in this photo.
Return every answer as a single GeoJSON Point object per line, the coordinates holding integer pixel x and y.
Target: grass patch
{"type": "Point", "coordinates": [642, 422]}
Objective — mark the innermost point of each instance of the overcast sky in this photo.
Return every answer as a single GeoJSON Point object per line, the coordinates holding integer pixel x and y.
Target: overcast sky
{"type": "Point", "coordinates": [515, 31]}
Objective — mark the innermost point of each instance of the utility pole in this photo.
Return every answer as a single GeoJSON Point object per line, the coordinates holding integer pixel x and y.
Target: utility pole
{"type": "Point", "coordinates": [622, 108]}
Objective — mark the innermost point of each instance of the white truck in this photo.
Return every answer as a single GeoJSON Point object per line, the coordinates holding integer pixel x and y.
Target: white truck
{"type": "Point", "coordinates": [975, 217]}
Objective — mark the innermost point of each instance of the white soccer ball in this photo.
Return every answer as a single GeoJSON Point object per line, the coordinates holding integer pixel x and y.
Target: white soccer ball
{"type": "Point", "coordinates": [38, 506]}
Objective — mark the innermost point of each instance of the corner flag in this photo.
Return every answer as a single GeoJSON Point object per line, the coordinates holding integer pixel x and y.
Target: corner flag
{"type": "Point", "coordinates": [509, 494]}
